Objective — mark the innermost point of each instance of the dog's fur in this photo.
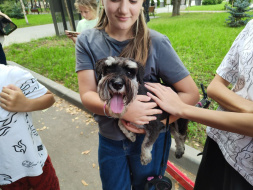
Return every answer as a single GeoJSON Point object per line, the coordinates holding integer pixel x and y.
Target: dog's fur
{"type": "Point", "coordinates": [123, 77]}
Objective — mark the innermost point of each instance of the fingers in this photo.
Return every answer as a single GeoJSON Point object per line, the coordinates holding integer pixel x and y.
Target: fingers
{"type": "Point", "coordinates": [143, 98]}
{"type": "Point", "coordinates": [131, 127]}
{"type": "Point", "coordinates": [157, 100]}
{"type": "Point", "coordinates": [12, 87]}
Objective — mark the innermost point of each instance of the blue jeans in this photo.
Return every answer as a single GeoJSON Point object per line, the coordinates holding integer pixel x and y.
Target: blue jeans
{"type": "Point", "coordinates": [120, 166]}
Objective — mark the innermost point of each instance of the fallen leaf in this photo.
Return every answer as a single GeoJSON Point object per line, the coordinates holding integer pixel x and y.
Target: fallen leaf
{"type": "Point", "coordinates": [176, 186]}
{"type": "Point", "coordinates": [93, 165]}
{"type": "Point", "coordinates": [84, 183]}
{"type": "Point", "coordinates": [86, 152]}
{"type": "Point", "coordinates": [43, 128]}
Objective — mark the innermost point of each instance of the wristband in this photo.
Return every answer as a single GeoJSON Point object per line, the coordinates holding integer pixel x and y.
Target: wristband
{"type": "Point", "coordinates": [105, 112]}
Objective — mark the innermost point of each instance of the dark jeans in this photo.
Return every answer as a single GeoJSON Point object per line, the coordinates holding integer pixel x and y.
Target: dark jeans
{"type": "Point", "coordinates": [215, 173]}
{"type": "Point", "coordinates": [120, 166]}
{"type": "Point", "coordinates": [2, 56]}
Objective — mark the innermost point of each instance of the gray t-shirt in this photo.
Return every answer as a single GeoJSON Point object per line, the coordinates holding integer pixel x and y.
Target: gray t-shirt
{"type": "Point", "coordinates": [162, 63]}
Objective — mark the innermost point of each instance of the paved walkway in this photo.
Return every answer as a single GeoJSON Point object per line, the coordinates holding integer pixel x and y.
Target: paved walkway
{"type": "Point", "coordinates": [29, 33]}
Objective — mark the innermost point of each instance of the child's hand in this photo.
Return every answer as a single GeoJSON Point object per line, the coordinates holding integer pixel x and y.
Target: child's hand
{"type": "Point", "coordinates": [12, 99]}
{"type": "Point", "coordinates": [166, 98]}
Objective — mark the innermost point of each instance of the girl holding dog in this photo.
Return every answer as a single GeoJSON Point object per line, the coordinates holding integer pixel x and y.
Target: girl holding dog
{"type": "Point", "coordinates": [122, 31]}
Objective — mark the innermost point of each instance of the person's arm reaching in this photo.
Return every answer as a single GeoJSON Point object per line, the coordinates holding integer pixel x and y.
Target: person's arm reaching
{"type": "Point", "coordinates": [170, 102]}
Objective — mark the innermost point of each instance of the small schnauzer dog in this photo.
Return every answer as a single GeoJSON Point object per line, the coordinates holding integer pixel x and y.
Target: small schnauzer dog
{"type": "Point", "coordinates": [119, 81]}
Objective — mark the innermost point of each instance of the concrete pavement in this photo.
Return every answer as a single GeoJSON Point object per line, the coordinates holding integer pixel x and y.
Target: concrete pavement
{"type": "Point", "coordinates": [27, 34]}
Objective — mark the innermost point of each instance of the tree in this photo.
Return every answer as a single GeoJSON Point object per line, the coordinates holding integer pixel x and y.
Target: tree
{"type": "Point", "coordinates": [176, 7]}
{"type": "Point", "coordinates": [68, 13]}
{"type": "Point", "coordinates": [238, 13]}
{"type": "Point", "coordinates": [23, 7]}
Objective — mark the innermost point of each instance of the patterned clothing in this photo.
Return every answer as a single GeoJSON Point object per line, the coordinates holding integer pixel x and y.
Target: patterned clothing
{"type": "Point", "coordinates": [21, 150]}
{"type": "Point", "coordinates": [237, 68]}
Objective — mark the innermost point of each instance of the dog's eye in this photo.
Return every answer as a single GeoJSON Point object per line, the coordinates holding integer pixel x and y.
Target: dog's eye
{"type": "Point", "coordinates": [130, 72]}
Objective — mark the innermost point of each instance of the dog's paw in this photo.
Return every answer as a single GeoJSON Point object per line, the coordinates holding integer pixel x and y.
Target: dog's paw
{"type": "Point", "coordinates": [146, 157]}
{"type": "Point", "coordinates": [145, 160]}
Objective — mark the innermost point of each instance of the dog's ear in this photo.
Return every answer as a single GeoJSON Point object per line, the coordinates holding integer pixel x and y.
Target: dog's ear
{"type": "Point", "coordinates": [99, 68]}
{"type": "Point", "coordinates": [141, 72]}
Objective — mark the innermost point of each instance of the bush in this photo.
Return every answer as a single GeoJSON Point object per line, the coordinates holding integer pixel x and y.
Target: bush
{"type": "Point", "coordinates": [13, 10]}
{"type": "Point", "coordinates": [231, 2]}
{"type": "Point", "coordinates": [211, 2]}
{"type": "Point", "coordinates": [238, 16]}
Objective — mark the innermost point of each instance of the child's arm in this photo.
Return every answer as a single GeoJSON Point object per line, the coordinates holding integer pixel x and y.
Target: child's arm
{"type": "Point", "coordinates": [170, 102]}
{"type": "Point", "coordinates": [12, 99]}
{"type": "Point", "coordinates": [226, 98]}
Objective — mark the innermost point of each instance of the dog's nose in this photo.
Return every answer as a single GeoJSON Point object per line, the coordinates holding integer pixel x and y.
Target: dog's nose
{"type": "Point", "coordinates": [117, 85]}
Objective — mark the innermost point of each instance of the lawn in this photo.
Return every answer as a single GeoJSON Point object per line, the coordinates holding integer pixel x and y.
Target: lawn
{"type": "Point", "coordinates": [200, 39]}
{"type": "Point", "coordinates": [218, 7]}
{"type": "Point", "coordinates": [34, 20]}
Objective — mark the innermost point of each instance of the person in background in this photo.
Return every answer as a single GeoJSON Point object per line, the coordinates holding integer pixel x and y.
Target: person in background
{"type": "Point", "coordinates": [24, 161]}
{"type": "Point", "coordinates": [228, 153]}
{"type": "Point", "coordinates": [88, 10]}
{"type": "Point", "coordinates": [2, 54]}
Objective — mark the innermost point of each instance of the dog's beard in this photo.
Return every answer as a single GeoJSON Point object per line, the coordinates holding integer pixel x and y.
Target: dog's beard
{"type": "Point", "coordinates": [117, 100]}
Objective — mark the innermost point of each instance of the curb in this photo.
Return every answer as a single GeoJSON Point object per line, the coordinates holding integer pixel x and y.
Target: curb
{"type": "Point", "coordinates": [190, 161]}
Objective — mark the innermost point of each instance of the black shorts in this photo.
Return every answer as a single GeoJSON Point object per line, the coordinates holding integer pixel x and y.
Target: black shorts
{"type": "Point", "coordinates": [215, 173]}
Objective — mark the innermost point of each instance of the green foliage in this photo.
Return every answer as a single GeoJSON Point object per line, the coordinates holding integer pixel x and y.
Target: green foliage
{"type": "Point", "coordinates": [34, 19]}
{"type": "Point", "coordinates": [13, 10]}
{"type": "Point", "coordinates": [238, 15]}
{"type": "Point", "coordinates": [211, 2]}
{"type": "Point", "coordinates": [153, 3]}
{"type": "Point", "coordinates": [217, 7]}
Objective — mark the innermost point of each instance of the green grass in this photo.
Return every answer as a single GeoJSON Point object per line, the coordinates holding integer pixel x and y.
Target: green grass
{"type": "Point", "coordinates": [34, 20]}
{"type": "Point", "coordinates": [200, 39]}
{"type": "Point", "coordinates": [218, 7]}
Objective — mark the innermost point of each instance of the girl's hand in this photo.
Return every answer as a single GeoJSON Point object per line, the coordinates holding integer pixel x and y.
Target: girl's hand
{"type": "Point", "coordinates": [166, 98]}
{"type": "Point", "coordinates": [132, 128]}
{"type": "Point", "coordinates": [12, 99]}
{"type": "Point", "coordinates": [140, 111]}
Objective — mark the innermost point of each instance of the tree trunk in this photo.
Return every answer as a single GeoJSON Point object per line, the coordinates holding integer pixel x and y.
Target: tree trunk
{"type": "Point", "coordinates": [23, 7]}
{"type": "Point", "coordinates": [146, 10]}
{"type": "Point", "coordinates": [31, 4]}
{"type": "Point", "coordinates": [176, 7]}
{"type": "Point", "coordinates": [68, 13]}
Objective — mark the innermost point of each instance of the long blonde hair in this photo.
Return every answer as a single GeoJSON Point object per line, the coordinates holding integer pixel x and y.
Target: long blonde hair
{"type": "Point", "coordinates": [138, 47]}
